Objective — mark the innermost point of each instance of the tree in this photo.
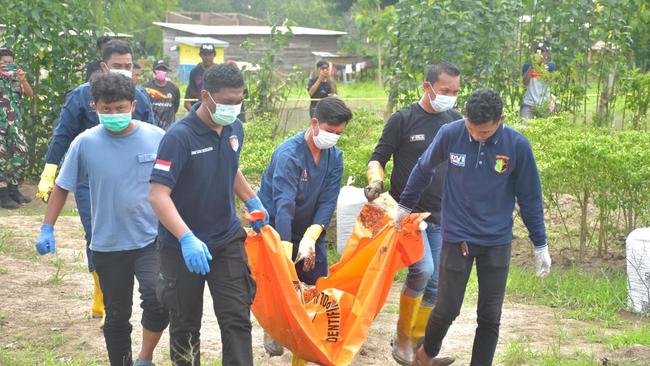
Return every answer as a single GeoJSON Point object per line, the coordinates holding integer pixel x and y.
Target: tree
{"type": "Point", "coordinates": [51, 41]}
{"type": "Point", "coordinates": [306, 13]}
{"type": "Point", "coordinates": [136, 18]}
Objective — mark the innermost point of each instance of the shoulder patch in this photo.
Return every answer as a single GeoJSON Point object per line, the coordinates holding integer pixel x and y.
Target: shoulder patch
{"type": "Point", "coordinates": [234, 142]}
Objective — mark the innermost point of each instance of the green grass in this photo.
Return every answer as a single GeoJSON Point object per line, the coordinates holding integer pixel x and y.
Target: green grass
{"type": "Point", "coordinates": [42, 357]}
{"type": "Point", "coordinates": [636, 335]}
{"type": "Point", "coordinates": [520, 354]}
{"type": "Point", "coordinates": [5, 246]}
{"type": "Point", "coordinates": [582, 295]}
{"type": "Point", "coordinates": [362, 89]}
{"type": "Point", "coordinates": [390, 309]}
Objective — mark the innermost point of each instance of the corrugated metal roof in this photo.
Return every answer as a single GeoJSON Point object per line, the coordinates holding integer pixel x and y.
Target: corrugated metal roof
{"type": "Point", "coordinates": [236, 30]}
{"type": "Point", "coordinates": [197, 41]}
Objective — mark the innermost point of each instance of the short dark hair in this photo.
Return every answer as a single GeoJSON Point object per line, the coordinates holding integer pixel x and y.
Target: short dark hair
{"type": "Point", "coordinates": [6, 52]}
{"type": "Point", "coordinates": [333, 111]}
{"type": "Point", "coordinates": [484, 106]}
{"type": "Point", "coordinates": [322, 63]}
{"type": "Point", "coordinates": [222, 76]}
{"type": "Point", "coordinates": [115, 46]}
{"type": "Point", "coordinates": [102, 41]}
{"type": "Point", "coordinates": [111, 87]}
{"type": "Point", "coordinates": [439, 68]}
{"type": "Point", "coordinates": [137, 66]}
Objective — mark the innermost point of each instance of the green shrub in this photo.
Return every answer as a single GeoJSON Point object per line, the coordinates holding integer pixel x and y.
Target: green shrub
{"type": "Point", "coordinates": [357, 143]}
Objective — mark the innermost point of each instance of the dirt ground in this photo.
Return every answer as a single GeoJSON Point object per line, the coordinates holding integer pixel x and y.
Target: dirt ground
{"type": "Point", "coordinates": [39, 307]}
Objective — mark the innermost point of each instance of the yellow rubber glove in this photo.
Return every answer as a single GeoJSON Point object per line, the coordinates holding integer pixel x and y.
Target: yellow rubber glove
{"type": "Point", "coordinates": [307, 247]}
{"type": "Point", "coordinates": [375, 185]}
{"type": "Point", "coordinates": [46, 184]}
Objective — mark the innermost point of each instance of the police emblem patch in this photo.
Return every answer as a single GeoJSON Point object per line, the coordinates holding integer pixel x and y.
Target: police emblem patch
{"type": "Point", "coordinates": [234, 142]}
{"type": "Point", "coordinates": [501, 164]}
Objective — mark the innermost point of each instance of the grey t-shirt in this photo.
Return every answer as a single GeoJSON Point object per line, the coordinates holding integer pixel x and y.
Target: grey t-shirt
{"type": "Point", "coordinates": [118, 170]}
{"type": "Point", "coordinates": [537, 91]}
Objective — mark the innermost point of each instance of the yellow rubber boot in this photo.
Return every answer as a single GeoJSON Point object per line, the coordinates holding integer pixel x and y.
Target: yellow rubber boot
{"type": "Point", "coordinates": [420, 323]}
{"type": "Point", "coordinates": [98, 299]}
{"type": "Point", "coordinates": [402, 346]}
{"type": "Point", "coordinates": [297, 361]}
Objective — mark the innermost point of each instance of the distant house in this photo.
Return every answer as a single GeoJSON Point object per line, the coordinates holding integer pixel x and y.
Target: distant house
{"type": "Point", "coordinates": [188, 54]}
{"type": "Point", "coordinates": [231, 30]}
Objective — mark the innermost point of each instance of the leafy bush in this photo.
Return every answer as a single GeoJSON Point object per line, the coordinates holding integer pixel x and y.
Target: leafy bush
{"type": "Point", "coordinates": [51, 41]}
{"type": "Point", "coordinates": [357, 143]}
{"type": "Point", "coordinates": [608, 171]}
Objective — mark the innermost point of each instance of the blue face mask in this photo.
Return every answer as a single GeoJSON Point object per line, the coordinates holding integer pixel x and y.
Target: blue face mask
{"type": "Point", "coordinates": [115, 122]}
{"type": "Point", "coordinates": [224, 114]}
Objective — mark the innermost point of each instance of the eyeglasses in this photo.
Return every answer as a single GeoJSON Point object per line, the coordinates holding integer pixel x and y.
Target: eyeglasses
{"type": "Point", "coordinates": [324, 67]}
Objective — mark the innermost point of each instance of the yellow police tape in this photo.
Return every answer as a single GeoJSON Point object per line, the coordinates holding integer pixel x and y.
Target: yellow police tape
{"type": "Point", "coordinates": [306, 99]}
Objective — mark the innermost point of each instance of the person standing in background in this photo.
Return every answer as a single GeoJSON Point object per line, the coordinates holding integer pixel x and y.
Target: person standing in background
{"type": "Point", "coordinates": [164, 95]}
{"type": "Point", "coordinates": [321, 85]}
{"type": "Point", "coordinates": [13, 149]}
{"type": "Point", "coordinates": [193, 91]}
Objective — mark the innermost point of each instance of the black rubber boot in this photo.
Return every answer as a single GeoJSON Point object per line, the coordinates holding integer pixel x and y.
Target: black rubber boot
{"type": "Point", "coordinates": [15, 194]}
{"type": "Point", "coordinates": [6, 201]}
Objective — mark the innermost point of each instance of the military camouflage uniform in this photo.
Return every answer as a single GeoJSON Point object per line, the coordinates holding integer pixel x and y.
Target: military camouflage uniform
{"type": "Point", "coordinates": [13, 150]}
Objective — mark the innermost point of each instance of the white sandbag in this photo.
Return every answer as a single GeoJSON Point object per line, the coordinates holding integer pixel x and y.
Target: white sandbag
{"type": "Point", "coordinates": [348, 206]}
{"type": "Point", "coordinates": [637, 247]}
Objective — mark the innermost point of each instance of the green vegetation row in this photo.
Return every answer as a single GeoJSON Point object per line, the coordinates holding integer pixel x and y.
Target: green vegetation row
{"type": "Point", "coordinates": [592, 178]}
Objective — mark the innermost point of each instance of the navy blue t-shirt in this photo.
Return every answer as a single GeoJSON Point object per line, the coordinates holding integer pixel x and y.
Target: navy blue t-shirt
{"type": "Point", "coordinates": [200, 168]}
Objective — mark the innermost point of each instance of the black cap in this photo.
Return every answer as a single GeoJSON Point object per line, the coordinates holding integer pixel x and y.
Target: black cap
{"type": "Point", "coordinates": [207, 49]}
{"type": "Point", "coordinates": [322, 63]}
{"type": "Point", "coordinates": [542, 46]}
{"type": "Point", "coordinates": [160, 64]}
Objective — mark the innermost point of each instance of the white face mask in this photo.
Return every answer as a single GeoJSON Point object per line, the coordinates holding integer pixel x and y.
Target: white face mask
{"type": "Point", "coordinates": [126, 73]}
{"type": "Point", "coordinates": [442, 103]}
{"type": "Point", "coordinates": [324, 140]}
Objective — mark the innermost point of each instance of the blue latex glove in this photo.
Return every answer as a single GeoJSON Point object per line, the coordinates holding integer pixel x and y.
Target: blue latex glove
{"type": "Point", "coordinates": [254, 204]}
{"type": "Point", "coordinates": [45, 242]}
{"type": "Point", "coordinates": [195, 253]}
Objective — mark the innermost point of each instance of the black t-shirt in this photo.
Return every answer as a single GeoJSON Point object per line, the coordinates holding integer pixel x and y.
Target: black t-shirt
{"type": "Point", "coordinates": [324, 89]}
{"type": "Point", "coordinates": [92, 68]}
{"type": "Point", "coordinates": [195, 84]}
{"type": "Point", "coordinates": [164, 101]}
{"type": "Point", "coordinates": [406, 135]}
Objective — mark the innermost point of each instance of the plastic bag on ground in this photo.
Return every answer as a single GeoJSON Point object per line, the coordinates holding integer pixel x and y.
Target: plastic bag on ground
{"type": "Point", "coordinates": [348, 206]}
{"type": "Point", "coordinates": [329, 323]}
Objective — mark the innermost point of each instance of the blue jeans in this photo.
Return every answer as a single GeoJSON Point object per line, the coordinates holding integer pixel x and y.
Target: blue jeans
{"type": "Point", "coordinates": [422, 277]}
{"type": "Point", "coordinates": [82, 198]}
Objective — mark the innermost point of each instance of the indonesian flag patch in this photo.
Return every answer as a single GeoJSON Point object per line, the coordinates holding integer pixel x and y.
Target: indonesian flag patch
{"type": "Point", "coordinates": [234, 143]}
{"type": "Point", "coordinates": [162, 165]}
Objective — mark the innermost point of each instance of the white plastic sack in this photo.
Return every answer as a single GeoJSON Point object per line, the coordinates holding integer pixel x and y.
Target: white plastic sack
{"type": "Point", "coordinates": [637, 247]}
{"type": "Point", "coordinates": [348, 206]}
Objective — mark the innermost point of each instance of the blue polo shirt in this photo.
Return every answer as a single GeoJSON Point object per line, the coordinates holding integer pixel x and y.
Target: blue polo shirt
{"type": "Point", "coordinates": [78, 114]}
{"type": "Point", "coordinates": [482, 182]}
{"type": "Point", "coordinates": [200, 168]}
{"type": "Point", "coordinates": [296, 191]}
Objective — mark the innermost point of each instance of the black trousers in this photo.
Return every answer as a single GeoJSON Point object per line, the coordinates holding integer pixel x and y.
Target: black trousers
{"type": "Point", "coordinates": [116, 271]}
{"type": "Point", "coordinates": [232, 289]}
{"type": "Point", "coordinates": [492, 264]}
